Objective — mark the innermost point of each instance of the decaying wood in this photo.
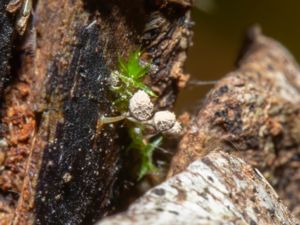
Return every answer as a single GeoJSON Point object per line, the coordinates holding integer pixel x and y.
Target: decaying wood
{"type": "Point", "coordinates": [6, 44]}
{"type": "Point", "coordinates": [59, 165]}
{"type": "Point", "coordinates": [253, 113]}
{"type": "Point", "coordinates": [218, 189]}
{"type": "Point", "coordinates": [166, 37]}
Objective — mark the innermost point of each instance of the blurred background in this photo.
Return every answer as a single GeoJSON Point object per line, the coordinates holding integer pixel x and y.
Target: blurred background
{"type": "Point", "coordinates": [219, 30]}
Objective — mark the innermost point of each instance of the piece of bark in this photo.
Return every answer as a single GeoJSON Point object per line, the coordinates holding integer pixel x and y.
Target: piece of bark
{"type": "Point", "coordinates": [7, 41]}
{"type": "Point", "coordinates": [166, 37]}
{"type": "Point", "coordinates": [6, 44]}
{"type": "Point", "coordinates": [218, 189]}
{"type": "Point", "coordinates": [60, 166]}
{"type": "Point", "coordinates": [254, 113]}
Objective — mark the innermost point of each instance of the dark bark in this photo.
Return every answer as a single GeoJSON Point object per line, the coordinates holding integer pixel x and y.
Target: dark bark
{"type": "Point", "coordinates": [77, 170]}
{"type": "Point", "coordinates": [6, 44]}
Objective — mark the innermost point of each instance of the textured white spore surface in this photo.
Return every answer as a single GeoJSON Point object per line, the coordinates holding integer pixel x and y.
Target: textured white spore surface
{"type": "Point", "coordinates": [140, 106]}
{"type": "Point", "coordinates": [164, 120]}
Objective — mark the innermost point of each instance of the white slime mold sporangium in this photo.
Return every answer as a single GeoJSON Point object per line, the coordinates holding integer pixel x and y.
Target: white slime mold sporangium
{"type": "Point", "coordinates": [140, 106]}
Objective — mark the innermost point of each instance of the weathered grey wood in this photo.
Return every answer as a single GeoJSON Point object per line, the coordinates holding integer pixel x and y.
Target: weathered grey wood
{"type": "Point", "coordinates": [218, 189]}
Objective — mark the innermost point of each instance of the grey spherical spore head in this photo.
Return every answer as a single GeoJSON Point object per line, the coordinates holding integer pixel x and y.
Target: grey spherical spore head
{"type": "Point", "coordinates": [140, 106]}
{"type": "Point", "coordinates": [164, 120]}
{"type": "Point", "coordinates": [175, 130]}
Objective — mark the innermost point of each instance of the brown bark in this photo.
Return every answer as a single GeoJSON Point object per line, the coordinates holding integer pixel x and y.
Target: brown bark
{"type": "Point", "coordinates": [58, 165]}
{"type": "Point", "coordinates": [254, 114]}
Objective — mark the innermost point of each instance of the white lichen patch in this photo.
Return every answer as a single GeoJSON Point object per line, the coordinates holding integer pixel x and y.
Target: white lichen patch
{"type": "Point", "coordinates": [67, 177]}
{"type": "Point", "coordinates": [114, 78]}
{"type": "Point", "coordinates": [3, 143]}
{"type": "Point", "coordinates": [208, 175]}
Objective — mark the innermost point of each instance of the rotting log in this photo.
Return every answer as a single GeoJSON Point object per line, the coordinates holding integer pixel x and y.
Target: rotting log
{"type": "Point", "coordinates": [58, 166]}
{"type": "Point", "coordinates": [218, 189]}
{"type": "Point", "coordinates": [253, 113]}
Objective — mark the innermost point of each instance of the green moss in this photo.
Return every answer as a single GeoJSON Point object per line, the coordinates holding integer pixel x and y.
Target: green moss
{"type": "Point", "coordinates": [126, 81]}
{"type": "Point", "coordinates": [145, 148]}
